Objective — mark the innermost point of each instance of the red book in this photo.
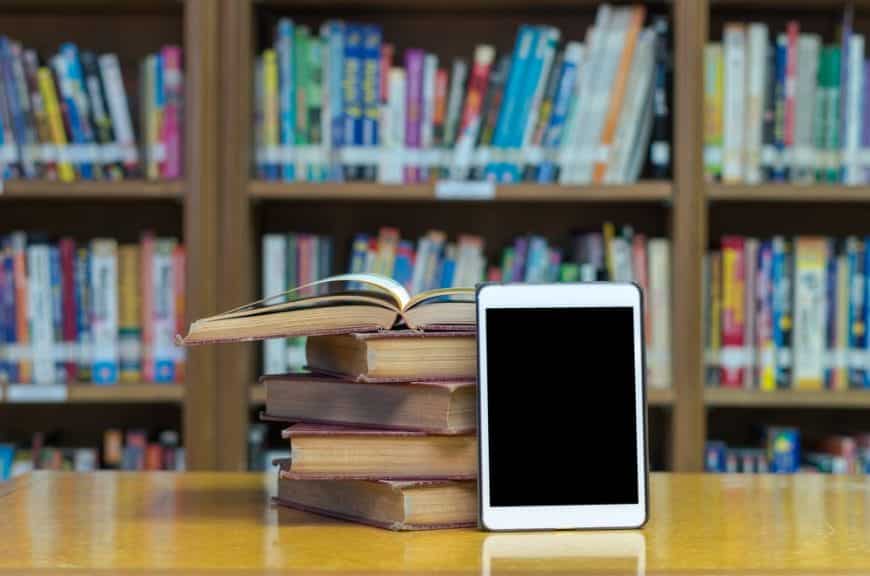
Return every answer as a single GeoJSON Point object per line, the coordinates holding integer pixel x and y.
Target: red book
{"type": "Point", "coordinates": [154, 457]}
{"type": "Point", "coordinates": [387, 51]}
{"type": "Point", "coordinates": [791, 67]}
{"type": "Point", "coordinates": [732, 355]}
{"type": "Point", "coordinates": [67, 247]}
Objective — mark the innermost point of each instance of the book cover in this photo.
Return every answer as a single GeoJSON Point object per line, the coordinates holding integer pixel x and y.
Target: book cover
{"type": "Point", "coordinates": [104, 312]}
{"type": "Point", "coordinates": [732, 356]}
{"type": "Point", "coordinates": [284, 50]}
{"type": "Point", "coordinates": [809, 313]}
{"type": "Point", "coordinates": [734, 60]}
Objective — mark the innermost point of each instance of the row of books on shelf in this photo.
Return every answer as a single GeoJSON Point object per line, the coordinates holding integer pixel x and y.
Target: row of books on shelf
{"type": "Point", "coordinates": [130, 450]}
{"type": "Point", "coordinates": [96, 311]}
{"type": "Point", "coordinates": [786, 107]}
{"type": "Point", "coordinates": [67, 116]}
{"type": "Point", "coordinates": [786, 313]}
{"type": "Point", "coordinates": [782, 453]}
{"type": "Point", "coordinates": [334, 106]}
{"type": "Point", "coordinates": [434, 262]}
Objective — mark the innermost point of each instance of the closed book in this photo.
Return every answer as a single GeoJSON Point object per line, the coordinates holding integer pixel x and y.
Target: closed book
{"type": "Point", "coordinates": [783, 276]}
{"type": "Point", "coordinates": [713, 110]}
{"type": "Point", "coordinates": [173, 79]}
{"type": "Point", "coordinates": [417, 505]}
{"type": "Point", "coordinates": [104, 314]}
{"type": "Point", "coordinates": [445, 407]}
{"type": "Point", "coordinates": [807, 80]}
{"type": "Point", "coordinates": [129, 317]}
{"type": "Point", "coordinates": [332, 452]}
{"type": "Point", "coordinates": [398, 356]}
{"type": "Point", "coordinates": [733, 355]}
{"type": "Point", "coordinates": [734, 58]}
{"type": "Point", "coordinates": [809, 312]}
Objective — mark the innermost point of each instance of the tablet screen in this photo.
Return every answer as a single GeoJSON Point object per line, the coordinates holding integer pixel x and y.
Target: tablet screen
{"type": "Point", "coordinates": [561, 406]}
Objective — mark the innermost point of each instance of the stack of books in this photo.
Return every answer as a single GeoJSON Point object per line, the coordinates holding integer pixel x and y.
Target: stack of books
{"type": "Point", "coordinates": [67, 117]}
{"type": "Point", "coordinates": [334, 106]}
{"type": "Point", "coordinates": [383, 423]}
{"type": "Point", "coordinates": [784, 106]}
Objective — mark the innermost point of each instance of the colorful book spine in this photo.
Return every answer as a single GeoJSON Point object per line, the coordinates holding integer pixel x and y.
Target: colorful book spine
{"type": "Point", "coordinates": [414, 62]}
{"type": "Point", "coordinates": [734, 59]}
{"type": "Point", "coordinates": [841, 345]}
{"type": "Point", "coordinates": [660, 148]}
{"type": "Point", "coordinates": [284, 49]}
{"type": "Point", "coordinates": [732, 357]}
{"type": "Point", "coordinates": [57, 351]}
{"type": "Point", "coordinates": [69, 313]}
{"type": "Point", "coordinates": [713, 110]}
{"type": "Point", "coordinates": [811, 255]}
{"type": "Point", "coordinates": [791, 71]}
{"type": "Point", "coordinates": [855, 252]}
{"type": "Point", "coordinates": [100, 120]}
{"type": "Point", "coordinates": [274, 284]}
{"type": "Point", "coordinates": [427, 121]}
{"type": "Point", "coordinates": [129, 316]}
{"type": "Point", "coordinates": [782, 311]}
{"type": "Point", "coordinates": [314, 105]}
{"type": "Point", "coordinates": [565, 91]}
{"type": "Point", "coordinates": [469, 124]}
{"type": "Point", "coordinates": [335, 76]}
{"type": "Point", "coordinates": [270, 113]}
{"type": "Point", "coordinates": [163, 311]}
{"type": "Point", "coordinates": [780, 168]}
{"type": "Point", "coordinates": [146, 271]}
{"type": "Point", "coordinates": [370, 83]}
{"type": "Point", "coordinates": [171, 166]}
{"type": "Point", "coordinates": [119, 111]}
{"type": "Point", "coordinates": [834, 133]}
{"type": "Point", "coordinates": [104, 311]}
{"type": "Point", "coordinates": [765, 318]}
{"type": "Point", "coordinates": [302, 79]}
{"type": "Point", "coordinates": [353, 98]}
{"type": "Point", "coordinates": [179, 286]}
{"type": "Point", "coordinates": [83, 312]}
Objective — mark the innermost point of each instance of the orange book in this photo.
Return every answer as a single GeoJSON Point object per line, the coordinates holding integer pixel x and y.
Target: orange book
{"type": "Point", "coordinates": [617, 93]}
{"type": "Point", "coordinates": [154, 457]}
{"type": "Point", "coordinates": [19, 278]}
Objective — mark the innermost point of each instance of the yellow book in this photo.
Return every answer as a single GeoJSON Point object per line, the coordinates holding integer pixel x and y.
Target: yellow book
{"type": "Point", "coordinates": [129, 324]}
{"type": "Point", "coordinates": [149, 120]}
{"type": "Point", "coordinates": [809, 313]}
{"type": "Point", "coordinates": [48, 92]}
{"type": "Point", "coordinates": [841, 346]}
{"type": "Point", "coordinates": [270, 101]}
{"type": "Point", "coordinates": [713, 95]}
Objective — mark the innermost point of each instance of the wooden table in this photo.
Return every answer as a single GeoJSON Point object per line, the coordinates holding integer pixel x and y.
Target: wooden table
{"type": "Point", "coordinates": [115, 522]}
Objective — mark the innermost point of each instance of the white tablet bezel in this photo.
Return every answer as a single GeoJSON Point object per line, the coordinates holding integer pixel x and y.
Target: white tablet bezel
{"type": "Point", "coordinates": [584, 295]}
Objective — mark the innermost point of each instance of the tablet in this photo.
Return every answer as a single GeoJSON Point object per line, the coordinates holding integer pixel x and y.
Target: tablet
{"type": "Point", "coordinates": [562, 406]}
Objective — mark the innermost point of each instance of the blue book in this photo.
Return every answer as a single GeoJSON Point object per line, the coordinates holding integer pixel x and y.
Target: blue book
{"type": "Point", "coordinates": [831, 304]}
{"type": "Point", "coordinates": [66, 95]}
{"type": "Point", "coordinates": [402, 269]}
{"type": "Point", "coordinates": [448, 270]}
{"type": "Point", "coordinates": [552, 138]}
{"type": "Point", "coordinates": [782, 315]}
{"type": "Point", "coordinates": [82, 272]}
{"type": "Point", "coordinates": [70, 52]}
{"type": "Point", "coordinates": [353, 100]}
{"type": "Point", "coordinates": [543, 39]}
{"type": "Point", "coordinates": [7, 457]}
{"type": "Point", "coordinates": [779, 173]}
{"type": "Point", "coordinates": [16, 111]}
{"type": "Point", "coordinates": [864, 341]}
{"type": "Point", "coordinates": [5, 293]}
{"type": "Point", "coordinates": [371, 87]}
{"type": "Point", "coordinates": [286, 92]}
{"type": "Point", "coordinates": [57, 309]}
{"type": "Point", "coordinates": [10, 304]}
{"type": "Point", "coordinates": [334, 77]}
{"type": "Point", "coordinates": [857, 339]}
{"type": "Point", "coordinates": [513, 87]}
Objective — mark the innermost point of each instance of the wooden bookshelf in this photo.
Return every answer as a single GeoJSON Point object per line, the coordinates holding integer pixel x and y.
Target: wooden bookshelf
{"type": "Point", "coordinates": [89, 393]}
{"type": "Point", "coordinates": [655, 396]}
{"type": "Point", "coordinates": [652, 191]}
{"type": "Point", "coordinates": [845, 399]}
{"type": "Point", "coordinates": [138, 190]}
{"type": "Point", "coordinates": [817, 193]}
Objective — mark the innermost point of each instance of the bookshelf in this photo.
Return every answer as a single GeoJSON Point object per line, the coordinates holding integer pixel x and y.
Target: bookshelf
{"type": "Point", "coordinates": [185, 208]}
{"type": "Point", "coordinates": [221, 211]}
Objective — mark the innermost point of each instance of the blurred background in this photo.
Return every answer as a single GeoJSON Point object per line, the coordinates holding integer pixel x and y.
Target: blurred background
{"type": "Point", "coordinates": [166, 160]}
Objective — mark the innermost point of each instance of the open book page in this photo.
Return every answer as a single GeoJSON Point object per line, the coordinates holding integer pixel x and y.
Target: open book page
{"type": "Point", "coordinates": [441, 295]}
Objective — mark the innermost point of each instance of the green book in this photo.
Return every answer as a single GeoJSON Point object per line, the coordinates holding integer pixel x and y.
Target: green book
{"type": "Point", "coordinates": [507, 264]}
{"type": "Point", "coordinates": [303, 79]}
{"type": "Point", "coordinates": [569, 272]}
{"type": "Point", "coordinates": [820, 114]}
{"type": "Point", "coordinates": [832, 136]}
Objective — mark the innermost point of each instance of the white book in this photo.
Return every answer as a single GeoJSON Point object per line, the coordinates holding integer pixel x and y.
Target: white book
{"type": "Point", "coordinates": [659, 254]}
{"type": "Point", "coordinates": [803, 157]}
{"type": "Point", "coordinates": [418, 276]}
{"type": "Point", "coordinates": [637, 93]}
{"type": "Point", "coordinates": [620, 250]}
{"type": "Point", "coordinates": [454, 101]}
{"type": "Point", "coordinates": [104, 310]}
{"type": "Point", "coordinates": [575, 53]}
{"type": "Point", "coordinates": [548, 38]}
{"type": "Point", "coordinates": [119, 111]}
{"type": "Point", "coordinates": [40, 313]}
{"type": "Point", "coordinates": [614, 43]}
{"type": "Point", "coordinates": [734, 48]}
{"type": "Point", "coordinates": [163, 310]}
{"type": "Point", "coordinates": [393, 129]}
{"type": "Point", "coordinates": [274, 282]}
{"type": "Point", "coordinates": [750, 261]}
{"type": "Point", "coordinates": [755, 82]}
{"type": "Point", "coordinates": [430, 70]}
{"type": "Point", "coordinates": [854, 95]}
{"type": "Point", "coordinates": [466, 139]}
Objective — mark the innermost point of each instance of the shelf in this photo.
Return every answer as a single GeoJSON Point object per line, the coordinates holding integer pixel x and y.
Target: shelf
{"type": "Point", "coordinates": [846, 399]}
{"type": "Point", "coordinates": [830, 193]}
{"type": "Point", "coordinates": [143, 393]}
{"type": "Point", "coordinates": [655, 396]}
{"type": "Point", "coordinates": [650, 191]}
{"type": "Point", "coordinates": [95, 190]}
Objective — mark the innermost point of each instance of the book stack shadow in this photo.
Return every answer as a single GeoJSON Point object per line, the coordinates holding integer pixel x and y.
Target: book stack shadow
{"type": "Point", "coordinates": [382, 430]}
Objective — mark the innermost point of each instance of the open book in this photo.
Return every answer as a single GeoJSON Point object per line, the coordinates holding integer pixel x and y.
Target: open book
{"type": "Point", "coordinates": [350, 303]}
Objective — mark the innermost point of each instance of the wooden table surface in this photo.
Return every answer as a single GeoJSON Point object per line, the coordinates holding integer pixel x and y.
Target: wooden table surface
{"type": "Point", "coordinates": [198, 522]}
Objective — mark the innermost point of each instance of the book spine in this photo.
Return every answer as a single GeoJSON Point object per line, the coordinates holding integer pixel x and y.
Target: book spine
{"type": "Point", "coordinates": [807, 74]}
{"type": "Point", "coordinates": [852, 172]}
{"type": "Point", "coordinates": [779, 172]}
{"type": "Point", "coordinates": [757, 59]}
{"type": "Point", "coordinates": [855, 252]}
{"type": "Point", "coordinates": [469, 125]}
{"type": "Point", "coordinates": [173, 82]}
{"type": "Point", "coordinates": [489, 116]}
{"type": "Point", "coordinates": [163, 311]}
{"type": "Point", "coordinates": [809, 313]}
{"type": "Point", "coordinates": [104, 320]}
{"type": "Point", "coordinates": [865, 128]}
{"type": "Point", "coordinates": [40, 119]}
{"type": "Point", "coordinates": [427, 122]}
{"type": "Point", "coordinates": [768, 123]}
{"type": "Point", "coordinates": [843, 326]}
{"type": "Point", "coordinates": [764, 318]}
{"type": "Point", "coordinates": [274, 283]}
{"type": "Point", "coordinates": [11, 150]}
{"type": "Point", "coordinates": [31, 152]}
{"type": "Point", "coordinates": [413, 108]}
{"type": "Point", "coordinates": [370, 82]}
{"type": "Point", "coordinates": [56, 315]}
{"type": "Point", "coordinates": [284, 49]}
{"type": "Point", "coordinates": [833, 137]}
{"type": "Point", "coordinates": [69, 313]}
{"type": "Point", "coordinates": [713, 111]}
{"type": "Point", "coordinates": [81, 125]}
{"type": "Point", "coordinates": [40, 312]}
{"type": "Point", "coordinates": [750, 279]}
{"type": "Point", "coordinates": [791, 71]}
{"type": "Point", "coordinates": [146, 268]}
{"type": "Point", "coordinates": [315, 105]}
{"type": "Point", "coordinates": [109, 156]}
{"type": "Point", "coordinates": [119, 111]}
{"type": "Point", "coordinates": [831, 318]}
{"type": "Point", "coordinates": [302, 79]}
{"type": "Point", "coordinates": [458, 73]}
{"type": "Point", "coordinates": [734, 40]}
{"type": "Point", "coordinates": [352, 87]}
{"type": "Point", "coordinates": [545, 51]}
{"type": "Point", "coordinates": [158, 108]}
{"type": "Point", "coordinates": [820, 114]}
{"type": "Point", "coordinates": [129, 316]}
{"type": "Point", "coordinates": [336, 95]}
{"type": "Point", "coordinates": [782, 311]}
{"type": "Point", "coordinates": [659, 309]}
{"type": "Point", "coordinates": [393, 128]}
{"type": "Point", "coordinates": [83, 313]}
{"type": "Point", "coordinates": [439, 114]}
{"type": "Point", "coordinates": [179, 285]}
{"type": "Point", "coordinates": [660, 148]}
{"type": "Point", "coordinates": [542, 122]}
{"type": "Point", "coordinates": [563, 100]}
{"type": "Point", "coordinates": [270, 111]}
{"type": "Point", "coordinates": [733, 314]}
